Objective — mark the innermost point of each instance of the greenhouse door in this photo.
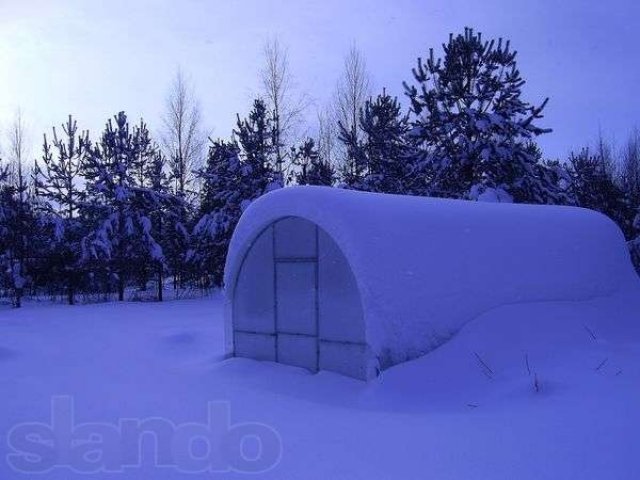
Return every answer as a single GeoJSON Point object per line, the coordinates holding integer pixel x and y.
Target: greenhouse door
{"type": "Point", "coordinates": [297, 312]}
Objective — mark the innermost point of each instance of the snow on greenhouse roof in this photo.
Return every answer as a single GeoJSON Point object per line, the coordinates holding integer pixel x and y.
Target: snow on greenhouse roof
{"type": "Point", "coordinates": [425, 267]}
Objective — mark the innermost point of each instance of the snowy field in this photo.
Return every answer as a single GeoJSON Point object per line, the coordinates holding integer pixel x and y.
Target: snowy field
{"type": "Point", "coordinates": [538, 391]}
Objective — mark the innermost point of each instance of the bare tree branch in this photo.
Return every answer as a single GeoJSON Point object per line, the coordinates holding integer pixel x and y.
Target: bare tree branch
{"type": "Point", "coordinates": [183, 139]}
{"type": "Point", "coordinates": [327, 136]}
{"type": "Point", "coordinates": [18, 152]}
{"type": "Point", "coordinates": [282, 98]}
{"type": "Point", "coordinates": [352, 90]}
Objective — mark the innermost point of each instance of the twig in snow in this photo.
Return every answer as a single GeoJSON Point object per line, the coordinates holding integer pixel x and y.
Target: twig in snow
{"type": "Point", "coordinates": [472, 405]}
{"type": "Point", "coordinates": [484, 367]}
{"type": "Point", "coordinates": [590, 332]}
{"type": "Point", "coordinates": [602, 364]}
{"type": "Point", "coordinates": [526, 361]}
{"type": "Point", "coordinates": [536, 384]}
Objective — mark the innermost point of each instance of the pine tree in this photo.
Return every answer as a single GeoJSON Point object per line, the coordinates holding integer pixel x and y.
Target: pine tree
{"type": "Point", "coordinates": [382, 157]}
{"type": "Point", "coordinates": [546, 182]}
{"type": "Point", "coordinates": [122, 233]}
{"type": "Point", "coordinates": [630, 184]}
{"type": "Point", "coordinates": [470, 122]}
{"type": "Point", "coordinates": [167, 214]}
{"type": "Point", "coordinates": [594, 186]}
{"type": "Point", "coordinates": [235, 175]}
{"type": "Point", "coordinates": [19, 219]}
{"type": "Point", "coordinates": [222, 200]}
{"type": "Point", "coordinates": [255, 136]}
{"type": "Point", "coordinates": [634, 243]}
{"type": "Point", "coordinates": [18, 229]}
{"type": "Point", "coordinates": [354, 169]}
{"type": "Point", "coordinates": [6, 214]}
{"type": "Point", "coordinates": [21, 225]}
{"type": "Point", "coordinates": [310, 167]}
{"type": "Point", "coordinates": [57, 184]}
{"type": "Point", "coordinates": [630, 168]}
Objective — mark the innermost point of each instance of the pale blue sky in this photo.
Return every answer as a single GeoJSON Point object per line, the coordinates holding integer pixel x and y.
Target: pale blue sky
{"type": "Point", "coordinates": [94, 58]}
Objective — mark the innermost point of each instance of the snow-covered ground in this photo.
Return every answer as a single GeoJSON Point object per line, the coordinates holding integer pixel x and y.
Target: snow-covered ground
{"type": "Point", "coordinates": [537, 391]}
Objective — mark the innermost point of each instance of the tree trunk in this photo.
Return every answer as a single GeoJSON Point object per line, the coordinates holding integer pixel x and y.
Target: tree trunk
{"type": "Point", "coordinates": [160, 285]}
{"type": "Point", "coordinates": [120, 288]}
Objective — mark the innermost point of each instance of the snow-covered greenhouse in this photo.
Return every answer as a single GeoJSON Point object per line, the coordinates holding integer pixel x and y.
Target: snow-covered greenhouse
{"type": "Point", "coordinates": [353, 282]}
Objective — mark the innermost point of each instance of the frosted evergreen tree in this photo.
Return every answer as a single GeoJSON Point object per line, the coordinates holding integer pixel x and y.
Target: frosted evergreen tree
{"type": "Point", "coordinates": [57, 184]}
{"type": "Point", "coordinates": [382, 158]}
{"type": "Point", "coordinates": [630, 168]}
{"type": "Point", "coordinates": [223, 197]}
{"type": "Point", "coordinates": [235, 175]}
{"type": "Point", "coordinates": [255, 136]}
{"type": "Point", "coordinates": [470, 122]}
{"type": "Point", "coordinates": [19, 230]}
{"type": "Point", "coordinates": [168, 212]}
{"type": "Point", "coordinates": [309, 166]}
{"type": "Point", "coordinates": [595, 186]}
{"type": "Point", "coordinates": [6, 216]}
{"type": "Point", "coordinates": [21, 225]}
{"type": "Point", "coordinates": [546, 182]}
{"type": "Point", "coordinates": [56, 179]}
{"type": "Point", "coordinates": [167, 217]}
{"type": "Point", "coordinates": [184, 147]}
{"type": "Point", "coordinates": [354, 169]}
{"type": "Point", "coordinates": [630, 184]}
{"type": "Point", "coordinates": [121, 236]}
{"type": "Point", "coordinates": [634, 243]}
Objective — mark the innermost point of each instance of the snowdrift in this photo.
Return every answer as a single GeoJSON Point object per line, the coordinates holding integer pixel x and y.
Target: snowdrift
{"type": "Point", "coordinates": [355, 282]}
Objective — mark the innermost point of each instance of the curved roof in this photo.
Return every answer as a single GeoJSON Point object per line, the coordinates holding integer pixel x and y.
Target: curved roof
{"type": "Point", "coordinates": [427, 266]}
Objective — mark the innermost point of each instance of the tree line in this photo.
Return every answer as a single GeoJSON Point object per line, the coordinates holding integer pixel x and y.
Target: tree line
{"type": "Point", "coordinates": [124, 213]}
